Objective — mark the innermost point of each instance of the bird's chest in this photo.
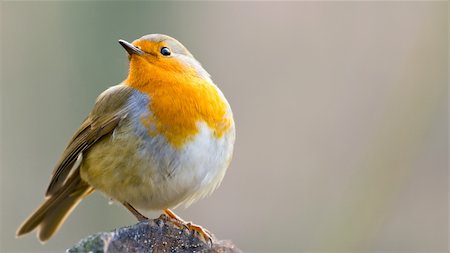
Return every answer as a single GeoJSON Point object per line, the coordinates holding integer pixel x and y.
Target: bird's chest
{"type": "Point", "coordinates": [160, 163]}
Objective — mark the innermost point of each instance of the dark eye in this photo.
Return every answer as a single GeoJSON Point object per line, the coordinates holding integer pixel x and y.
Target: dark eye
{"type": "Point", "coordinates": [165, 51]}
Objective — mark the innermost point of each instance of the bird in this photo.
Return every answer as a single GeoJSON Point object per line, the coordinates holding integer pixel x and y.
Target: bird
{"type": "Point", "coordinates": [161, 138]}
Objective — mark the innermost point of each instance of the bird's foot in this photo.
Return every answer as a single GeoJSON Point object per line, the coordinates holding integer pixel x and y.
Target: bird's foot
{"type": "Point", "coordinates": [205, 234]}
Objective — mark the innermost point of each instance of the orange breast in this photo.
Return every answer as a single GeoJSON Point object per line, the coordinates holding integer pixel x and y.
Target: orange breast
{"type": "Point", "coordinates": [178, 101]}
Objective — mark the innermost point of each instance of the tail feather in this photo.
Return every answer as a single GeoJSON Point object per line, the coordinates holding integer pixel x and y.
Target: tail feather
{"type": "Point", "coordinates": [56, 208]}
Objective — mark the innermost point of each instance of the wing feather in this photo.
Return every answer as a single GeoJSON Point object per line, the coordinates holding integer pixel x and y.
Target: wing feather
{"type": "Point", "coordinates": [108, 111]}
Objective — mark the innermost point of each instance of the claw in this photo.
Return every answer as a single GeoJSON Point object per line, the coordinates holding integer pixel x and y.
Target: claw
{"type": "Point", "coordinates": [205, 234]}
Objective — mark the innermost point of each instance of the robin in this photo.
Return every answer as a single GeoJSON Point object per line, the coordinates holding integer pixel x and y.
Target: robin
{"type": "Point", "coordinates": [161, 138]}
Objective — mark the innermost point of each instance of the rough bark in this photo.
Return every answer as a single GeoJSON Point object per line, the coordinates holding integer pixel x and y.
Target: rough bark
{"type": "Point", "coordinates": [154, 235]}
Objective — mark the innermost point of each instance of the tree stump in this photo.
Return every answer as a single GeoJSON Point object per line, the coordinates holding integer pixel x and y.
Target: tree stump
{"type": "Point", "coordinates": [153, 235]}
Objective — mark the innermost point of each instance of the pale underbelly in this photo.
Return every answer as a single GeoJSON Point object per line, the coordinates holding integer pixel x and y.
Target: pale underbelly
{"type": "Point", "coordinates": [149, 174]}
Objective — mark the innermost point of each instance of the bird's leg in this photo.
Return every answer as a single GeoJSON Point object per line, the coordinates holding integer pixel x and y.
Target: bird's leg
{"type": "Point", "coordinates": [135, 212]}
{"type": "Point", "coordinates": [203, 232]}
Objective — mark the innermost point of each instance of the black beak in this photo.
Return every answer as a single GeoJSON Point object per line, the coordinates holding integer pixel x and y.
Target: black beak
{"type": "Point", "coordinates": [131, 49]}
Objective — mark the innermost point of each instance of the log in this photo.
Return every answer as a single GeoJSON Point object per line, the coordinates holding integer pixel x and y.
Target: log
{"type": "Point", "coordinates": [153, 235]}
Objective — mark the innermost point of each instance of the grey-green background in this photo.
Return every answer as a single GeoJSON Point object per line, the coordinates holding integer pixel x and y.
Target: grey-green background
{"type": "Point", "coordinates": [341, 111]}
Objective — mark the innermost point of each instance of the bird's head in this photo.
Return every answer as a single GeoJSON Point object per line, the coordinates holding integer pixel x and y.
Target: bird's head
{"type": "Point", "coordinates": [156, 57]}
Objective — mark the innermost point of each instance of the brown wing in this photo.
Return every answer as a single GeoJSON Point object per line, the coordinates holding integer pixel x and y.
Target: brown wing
{"type": "Point", "coordinates": [108, 111]}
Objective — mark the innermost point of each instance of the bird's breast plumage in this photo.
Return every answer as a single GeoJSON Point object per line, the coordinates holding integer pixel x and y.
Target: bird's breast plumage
{"type": "Point", "coordinates": [175, 144]}
{"type": "Point", "coordinates": [177, 106]}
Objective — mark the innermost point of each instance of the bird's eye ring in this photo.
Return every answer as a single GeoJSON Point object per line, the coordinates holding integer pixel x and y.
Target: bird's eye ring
{"type": "Point", "coordinates": [165, 51]}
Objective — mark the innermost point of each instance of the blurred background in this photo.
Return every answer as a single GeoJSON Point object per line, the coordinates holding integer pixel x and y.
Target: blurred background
{"type": "Point", "coordinates": [341, 113]}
